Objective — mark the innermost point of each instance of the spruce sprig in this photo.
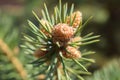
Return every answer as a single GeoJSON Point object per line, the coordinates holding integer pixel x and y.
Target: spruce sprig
{"type": "Point", "coordinates": [55, 52]}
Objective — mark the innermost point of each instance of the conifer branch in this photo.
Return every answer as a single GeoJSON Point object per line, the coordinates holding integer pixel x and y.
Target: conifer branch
{"type": "Point", "coordinates": [17, 64]}
{"type": "Point", "coordinates": [59, 41]}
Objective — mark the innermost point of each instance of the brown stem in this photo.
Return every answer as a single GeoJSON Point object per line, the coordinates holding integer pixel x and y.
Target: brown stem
{"type": "Point", "coordinates": [17, 64]}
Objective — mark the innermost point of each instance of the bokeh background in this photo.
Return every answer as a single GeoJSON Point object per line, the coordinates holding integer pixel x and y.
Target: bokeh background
{"type": "Point", "coordinates": [106, 22]}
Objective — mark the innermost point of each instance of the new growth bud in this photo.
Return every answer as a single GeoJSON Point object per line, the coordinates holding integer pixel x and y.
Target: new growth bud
{"type": "Point", "coordinates": [39, 53]}
{"type": "Point", "coordinates": [62, 33]}
{"type": "Point", "coordinates": [78, 19]}
{"type": "Point", "coordinates": [71, 52]}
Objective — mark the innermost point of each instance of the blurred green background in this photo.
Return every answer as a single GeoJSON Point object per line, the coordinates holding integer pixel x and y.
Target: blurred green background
{"type": "Point", "coordinates": [105, 22]}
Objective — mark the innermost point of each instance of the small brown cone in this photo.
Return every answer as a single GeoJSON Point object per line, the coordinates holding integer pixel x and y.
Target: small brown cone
{"type": "Point", "coordinates": [62, 33]}
{"type": "Point", "coordinates": [75, 39]}
{"type": "Point", "coordinates": [77, 20]}
{"type": "Point", "coordinates": [41, 77]}
{"type": "Point", "coordinates": [73, 53]}
{"type": "Point", "coordinates": [39, 53]}
{"type": "Point", "coordinates": [44, 22]}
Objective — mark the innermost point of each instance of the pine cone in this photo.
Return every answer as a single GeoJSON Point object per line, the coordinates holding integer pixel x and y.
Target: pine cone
{"type": "Point", "coordinates": [77, 20]}
{"type": "Point", "coordinates": [62, 33]}
{"type": "Point", "coordinates": [44, 22]}
{"type": "Point", "coordinates": [75, 39]}
{"type": "Point", "coordinates": [41, 77]}
{"type": "Point", "coordinates": [39, 53]}
{"type": "Point", "coordinates": [73, 53]}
